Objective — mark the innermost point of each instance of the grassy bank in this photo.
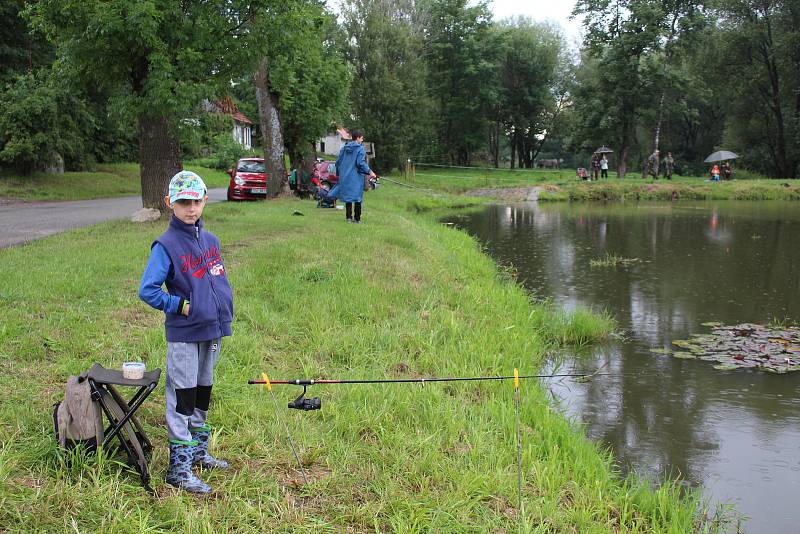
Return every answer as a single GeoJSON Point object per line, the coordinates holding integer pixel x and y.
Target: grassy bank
{"type": "Point", "coordinates": [107, 180]}
{"type": "Point", "coordinates": [560, 185]}
{"type": "Point", "coordinates": [122, 179]}
{"type": "Point", "coordinates": [397, 296]}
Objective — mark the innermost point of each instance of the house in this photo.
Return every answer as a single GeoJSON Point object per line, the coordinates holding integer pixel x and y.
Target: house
{"type": "Point", "coordinates": [332, 143]}
{"type": "Point", "coordinates": [242, 126]}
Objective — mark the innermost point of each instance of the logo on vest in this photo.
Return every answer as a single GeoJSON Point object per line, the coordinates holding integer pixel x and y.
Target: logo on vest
{"type": "Point", "coordinates": [198, 268]}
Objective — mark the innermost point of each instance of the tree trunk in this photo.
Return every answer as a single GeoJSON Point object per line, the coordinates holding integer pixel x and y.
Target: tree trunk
{"type": "Point", "coordinates": [513, 148]}
{"type": "Point", "coordinates": [272, 134]}
{"type": "Point", "coordinates": [660, 118]}
{"type": "Point", "coordinates": [159, 159]}
{"type": "Point", "coordinates": [497, 144]}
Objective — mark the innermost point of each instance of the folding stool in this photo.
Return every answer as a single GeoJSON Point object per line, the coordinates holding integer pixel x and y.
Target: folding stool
{"type": "Point", "coordinates": [120, 413]}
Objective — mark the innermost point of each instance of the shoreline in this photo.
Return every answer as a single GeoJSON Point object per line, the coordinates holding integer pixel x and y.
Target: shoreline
{"type": "Point", "coordinates": [401, 295]}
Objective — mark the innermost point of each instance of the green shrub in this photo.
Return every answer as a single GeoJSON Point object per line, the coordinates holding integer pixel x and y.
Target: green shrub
{"type": "Point", "coordinates": [40, 116]}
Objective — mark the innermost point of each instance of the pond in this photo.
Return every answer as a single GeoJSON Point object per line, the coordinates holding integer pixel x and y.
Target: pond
{"type": "Point", "coordinates": [735, 433]}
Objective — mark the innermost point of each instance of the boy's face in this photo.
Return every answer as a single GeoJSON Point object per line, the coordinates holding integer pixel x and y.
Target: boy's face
{"type": "Point", "coordinates": [187, 211]}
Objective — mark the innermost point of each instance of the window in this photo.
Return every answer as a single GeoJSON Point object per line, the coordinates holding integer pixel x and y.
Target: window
{"type": "Point", "coordinates": [251, 166]}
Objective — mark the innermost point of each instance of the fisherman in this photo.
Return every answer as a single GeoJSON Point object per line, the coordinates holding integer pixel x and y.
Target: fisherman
{"type": "Point", "coordinates": [669, 165]}
{"type": "Point", "coordinates": [652, 165]}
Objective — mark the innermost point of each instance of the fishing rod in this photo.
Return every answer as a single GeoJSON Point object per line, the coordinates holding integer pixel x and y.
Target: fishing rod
{"type": "Point", "coordinates": [315, 403]}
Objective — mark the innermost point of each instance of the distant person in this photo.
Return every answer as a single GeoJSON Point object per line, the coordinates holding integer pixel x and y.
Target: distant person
{"type": "Point", "coordinates": [669, 165]}
{"type": "Point", "coordinates": [595, 166]}
{"type": "Point", "coordinates": [652, 165]}
{"type": "Point", "coordinates": [604, 167]}
{"type": "Point", "coordinates": [351, 165]}
{"type": "Point", "coordinates": [715, 173]}
{"type": "Point", "coordinates": [726, 171]}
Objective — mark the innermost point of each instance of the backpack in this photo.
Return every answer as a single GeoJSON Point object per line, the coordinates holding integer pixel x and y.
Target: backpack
{"type": "Point", "coordinates": [78, 419]}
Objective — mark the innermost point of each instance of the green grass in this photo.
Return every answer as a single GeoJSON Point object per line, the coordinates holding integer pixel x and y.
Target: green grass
{"type": "Point", "coordinates": [611, 260]}
{"type": "Point", "coordinates": [560, 185]}
{"type": "Point", "coordinates": [397, 296]}
{"type": "Point", "coordinates": [107, 180]}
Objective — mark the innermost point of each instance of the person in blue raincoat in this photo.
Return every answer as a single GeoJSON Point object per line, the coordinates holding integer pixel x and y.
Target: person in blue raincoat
{"type": "Point", "coordinates": [351, 166]}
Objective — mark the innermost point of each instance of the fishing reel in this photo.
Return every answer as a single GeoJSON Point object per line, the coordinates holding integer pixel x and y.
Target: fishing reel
{"type": "Point", "coordinates": [302, 403]}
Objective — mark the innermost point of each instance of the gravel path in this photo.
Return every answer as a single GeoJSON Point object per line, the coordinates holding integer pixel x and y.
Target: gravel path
{"type": "Point", "coordinates": [530, 194]}
{"type": "Point", "coordinates": [23, 221]}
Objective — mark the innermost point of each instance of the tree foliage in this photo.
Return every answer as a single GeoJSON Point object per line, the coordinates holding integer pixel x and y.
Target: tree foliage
{"type": "Point", "coordinates": [157, 58]}
{"type": "Point", "coordinates": [41, 118]}
{"type": "Point", "coordinates": [528, 98]}
{"type": "Point", "coordinates": [760, 52]}
{"type": "Point", "coordinates": [389, 94]}
{"type": "Point", "coordinates": [461, 68]}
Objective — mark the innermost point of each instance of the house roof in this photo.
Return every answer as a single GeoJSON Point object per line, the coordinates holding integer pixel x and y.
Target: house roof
{"type": "Point", "coordinates": [227, 106]}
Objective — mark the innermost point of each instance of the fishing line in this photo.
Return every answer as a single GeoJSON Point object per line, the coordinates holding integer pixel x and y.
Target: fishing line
{"type": "Point", "coordinates": [268, 385]}
{"type": "Point", "coordinates": [423, 381]}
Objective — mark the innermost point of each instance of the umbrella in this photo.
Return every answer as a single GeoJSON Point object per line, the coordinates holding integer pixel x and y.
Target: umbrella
{"type": "Point", "coordinates": [603, 150]}
{"type": "Point", "coordinates": [721, 155]}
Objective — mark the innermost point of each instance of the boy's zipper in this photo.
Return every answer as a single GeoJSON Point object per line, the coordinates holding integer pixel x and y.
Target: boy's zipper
{"type": "Point", "coordinates": [208, 274]}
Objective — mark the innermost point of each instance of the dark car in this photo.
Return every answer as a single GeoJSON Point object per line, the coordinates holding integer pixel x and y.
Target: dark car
{"type": "Point", "coordinates": [248, 180]}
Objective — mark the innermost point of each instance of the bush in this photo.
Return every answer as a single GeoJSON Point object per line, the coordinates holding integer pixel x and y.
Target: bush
{"type": "Point", "coordinates": [225, 151]}
{"type": "Point", "coordinates": [40, 116]}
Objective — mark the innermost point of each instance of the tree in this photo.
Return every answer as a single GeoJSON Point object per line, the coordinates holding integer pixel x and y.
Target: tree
{"type": "Point", "coordinates": [760, 75]}
{"type": "Point", "coordinates": [389, 96]}
{"type": "Point", "coordinates": [21, 50]}
{"type": "Point", "coordinates": [620, 35]}
{"type": "Point", "coordinates": [159, 58]}
{"type": "Point", "coordinates": [39, 118]}
{"type": "Point", "coordinates": [529, 96]}
{"type": "Point", "coordinates": [462, 64]}
{"type": "Point", "coordinates": [300, 84]}
{"type": "Point", "coordinates": [313, 82]}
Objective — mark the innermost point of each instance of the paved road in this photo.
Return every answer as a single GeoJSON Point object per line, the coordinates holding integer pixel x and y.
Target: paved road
{"type": "Point", "coordinates": [21, 222]}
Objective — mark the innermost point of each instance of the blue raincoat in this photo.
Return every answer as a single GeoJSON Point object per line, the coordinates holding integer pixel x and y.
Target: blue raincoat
{"type": "Point", "coordinates": [351, 166]}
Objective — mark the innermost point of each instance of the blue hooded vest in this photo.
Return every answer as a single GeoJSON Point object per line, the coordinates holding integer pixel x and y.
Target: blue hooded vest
{"type": "Point", "coordinates": [198, 276]}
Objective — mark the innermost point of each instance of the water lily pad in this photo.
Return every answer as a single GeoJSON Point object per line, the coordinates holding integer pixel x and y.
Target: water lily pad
{"type": "Point", "coordinates": [743, 346]}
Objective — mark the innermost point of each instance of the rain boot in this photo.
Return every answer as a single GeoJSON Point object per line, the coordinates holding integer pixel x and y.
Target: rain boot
{"type": "Point", "coordinates": [201, 456]}
{"type": "Point", "coordinates": [180, 473]}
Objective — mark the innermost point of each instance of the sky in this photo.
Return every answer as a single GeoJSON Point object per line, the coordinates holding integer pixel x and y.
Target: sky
{"type": "Point", "coordinates": [557, 11]}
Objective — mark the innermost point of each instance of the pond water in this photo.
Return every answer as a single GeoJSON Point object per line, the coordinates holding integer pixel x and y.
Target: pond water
{"type": "Point", "coordinates": [735, 433]}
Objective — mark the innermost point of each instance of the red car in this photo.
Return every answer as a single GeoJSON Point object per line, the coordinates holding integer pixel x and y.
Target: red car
{"type": "Point", "coordinates": [248, 180]}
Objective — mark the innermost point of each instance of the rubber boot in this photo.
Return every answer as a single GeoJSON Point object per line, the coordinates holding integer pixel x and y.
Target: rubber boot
{"type": "Point", "coordinates": [180, 473]}
{"type": "Point", "coordinates": [201, 456]}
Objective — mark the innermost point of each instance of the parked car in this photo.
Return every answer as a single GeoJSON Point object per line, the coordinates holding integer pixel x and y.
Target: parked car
{"type": "Point", "coordinates": [248, 180]}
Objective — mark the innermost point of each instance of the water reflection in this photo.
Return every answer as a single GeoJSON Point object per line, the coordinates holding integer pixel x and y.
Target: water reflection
{"type": "Point", "coordinates": [736, 433]}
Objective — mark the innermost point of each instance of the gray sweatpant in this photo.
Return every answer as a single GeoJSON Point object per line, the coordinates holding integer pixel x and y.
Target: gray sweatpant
{"type": "Point", "coordinates": [190, 375]}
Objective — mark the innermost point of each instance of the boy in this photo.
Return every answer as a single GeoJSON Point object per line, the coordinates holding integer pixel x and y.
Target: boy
{"type": "Point", "coordinates": [198, 308]}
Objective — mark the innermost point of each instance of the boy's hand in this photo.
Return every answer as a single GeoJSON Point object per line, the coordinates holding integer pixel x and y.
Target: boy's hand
{"type": "Point", "coordinates": [185, 310]}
